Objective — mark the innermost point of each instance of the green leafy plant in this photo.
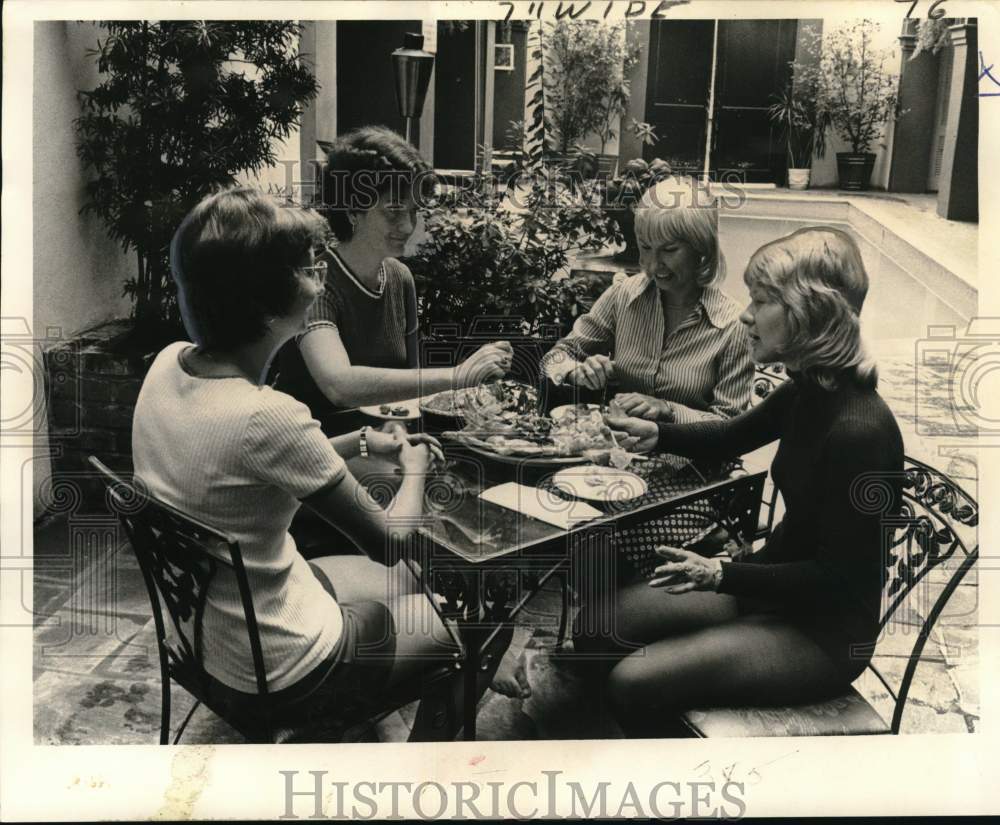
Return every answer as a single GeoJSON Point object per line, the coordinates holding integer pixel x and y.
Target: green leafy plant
{"type": "Point", "coordinates": [644, 131]}
{"type": "Point", "coordinates": [855, 88]}
{"type": "Point", "coordinates": [184, 107]}
{"type": "Point", "coordinates": [586, 82]}
{"type": "Point", "coordinates": [803, 121]}
{"type": "Point", "coordinates": [493, 253]}
{"type": "Point", "coordinates": [533, 135]}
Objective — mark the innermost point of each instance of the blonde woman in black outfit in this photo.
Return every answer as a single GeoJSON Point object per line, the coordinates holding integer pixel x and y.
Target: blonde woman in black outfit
{"type": "Point", "coordinates": [797, 619]}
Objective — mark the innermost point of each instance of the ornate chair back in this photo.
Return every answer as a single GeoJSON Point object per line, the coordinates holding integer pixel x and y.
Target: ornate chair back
{"type": "Point", "coordinates": [179, 557]}
{"type": "Point", "coordinates": [766, 379]}
{"type": "Point", "coordinates": [929, 524]}
{"type": "Point", "coordinates": [936, 527]}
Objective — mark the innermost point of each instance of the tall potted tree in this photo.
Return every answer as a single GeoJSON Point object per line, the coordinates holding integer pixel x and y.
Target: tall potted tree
{"type": "Point", "coordinates": [586, 81]}
{"type": "Point", "coordinates": [183, 108]}
{"type": "Point", "coordinates": [859, 94]}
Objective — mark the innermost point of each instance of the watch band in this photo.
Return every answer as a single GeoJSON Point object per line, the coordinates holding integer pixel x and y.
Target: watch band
{"type": "Point", "coordinates": [363, 441]}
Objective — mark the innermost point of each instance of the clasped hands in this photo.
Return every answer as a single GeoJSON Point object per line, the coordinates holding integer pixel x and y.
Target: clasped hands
{"type": "Point", "coordinates": [685, 571]}
{"type": "Point", "coordinates": [415, 452]}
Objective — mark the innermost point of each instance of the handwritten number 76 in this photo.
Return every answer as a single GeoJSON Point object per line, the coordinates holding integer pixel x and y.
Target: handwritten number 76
{"type": "Point", "coordinates": [933, 13]}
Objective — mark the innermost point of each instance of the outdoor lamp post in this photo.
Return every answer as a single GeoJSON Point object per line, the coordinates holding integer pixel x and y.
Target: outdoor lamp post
{"type": "Point", "coordinates": [412, 67]}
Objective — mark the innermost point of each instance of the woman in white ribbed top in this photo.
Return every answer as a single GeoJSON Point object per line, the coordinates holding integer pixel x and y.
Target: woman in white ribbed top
{"type": "Point", "coordinates": [211, 439]}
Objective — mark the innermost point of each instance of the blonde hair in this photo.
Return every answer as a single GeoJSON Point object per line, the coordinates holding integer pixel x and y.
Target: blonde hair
{"type": "Point", "coordinates": [818, 275]}
{"type": "Point", "coordinates": [682, 209]}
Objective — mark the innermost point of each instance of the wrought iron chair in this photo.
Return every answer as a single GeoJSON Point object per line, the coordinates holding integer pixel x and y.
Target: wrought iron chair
{"type": "Point", "coordinates": [936, 525]}
{"type": "Point", "coordinates": [179, 557]}
{"type": "Point", "coordinates": [766, 379]}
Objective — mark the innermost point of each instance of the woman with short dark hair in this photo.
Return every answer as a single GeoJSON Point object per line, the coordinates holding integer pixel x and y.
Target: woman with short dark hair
{"type": "Point", "coordinates": [210, 438]}
{"type": "Point", "coordinates": [799, 618]}
{"type": "Point", "coordinates": [360, 344]}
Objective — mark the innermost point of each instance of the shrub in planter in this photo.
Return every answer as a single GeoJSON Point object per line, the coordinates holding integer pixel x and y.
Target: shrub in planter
{"type": "Point", "coordinates": [586, 80]}
{"type": "Point", "coordinates": [803, 122]}
{"type": "Point", "coordinates": [183, 107]}
{"type": "Point", "coordinates": [499, 253]}
{"type": "Point", "coordinates": [858, 93]}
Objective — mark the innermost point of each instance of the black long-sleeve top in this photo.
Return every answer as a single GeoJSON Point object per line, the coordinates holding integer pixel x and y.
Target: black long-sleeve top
{"type": "Point", "coordinates": [824, 563]}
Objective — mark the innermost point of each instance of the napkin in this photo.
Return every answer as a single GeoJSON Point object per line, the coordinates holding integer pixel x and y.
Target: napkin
{"type": "Point", "coordinates": [540, 504]}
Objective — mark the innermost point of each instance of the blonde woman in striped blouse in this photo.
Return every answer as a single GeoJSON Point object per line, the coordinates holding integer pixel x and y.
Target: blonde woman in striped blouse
{"type": "Point", "coordinates": [675, 346]}
{"type": "Point", "coordinates": [670, 339]}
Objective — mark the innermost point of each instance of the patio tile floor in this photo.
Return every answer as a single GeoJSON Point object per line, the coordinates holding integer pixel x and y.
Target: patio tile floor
{"type": "Point", "coordinates": [96, 676]}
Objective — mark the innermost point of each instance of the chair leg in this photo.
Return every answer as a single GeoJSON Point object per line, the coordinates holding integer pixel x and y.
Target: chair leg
{"type": "Point", "coordinates": [564, 615]}
{"type": "Point", "coordinates": [184, 724]}
{"type": "Point", "coordinates": [164, 706]}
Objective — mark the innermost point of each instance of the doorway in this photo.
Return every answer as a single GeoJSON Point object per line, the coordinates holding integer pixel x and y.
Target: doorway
{"type": "Point", "coordinates": [710, 85]}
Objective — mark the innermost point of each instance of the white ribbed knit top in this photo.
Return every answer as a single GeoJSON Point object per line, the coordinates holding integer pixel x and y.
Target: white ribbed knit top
{"type": "Point", "coordinates": [239, 457]}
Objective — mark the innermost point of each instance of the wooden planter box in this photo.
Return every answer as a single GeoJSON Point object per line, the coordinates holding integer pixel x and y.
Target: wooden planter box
{"type": "Point", "coordinates": [92, 387]}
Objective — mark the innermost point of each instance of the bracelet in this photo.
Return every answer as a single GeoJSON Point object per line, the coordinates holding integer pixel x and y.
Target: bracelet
{"type": "Point", "coordinates": [363, 441]}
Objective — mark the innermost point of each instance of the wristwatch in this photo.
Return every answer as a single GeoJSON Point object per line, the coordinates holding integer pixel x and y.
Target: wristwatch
{"type": "Point", "coordinates": [363, 442]}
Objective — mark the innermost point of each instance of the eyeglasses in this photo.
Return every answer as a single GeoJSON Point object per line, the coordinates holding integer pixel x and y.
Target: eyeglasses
{"type": "Point", "coordinates": [319, 270]}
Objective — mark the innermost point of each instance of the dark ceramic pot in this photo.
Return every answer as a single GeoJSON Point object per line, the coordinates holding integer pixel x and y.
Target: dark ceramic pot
{"type": "Point", "coordinates": [855, 170]}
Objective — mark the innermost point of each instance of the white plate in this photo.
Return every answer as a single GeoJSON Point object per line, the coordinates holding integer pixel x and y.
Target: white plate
{"type": "Point", "coordinates": [412, 410]}
{"type": "Point", "coordinates": [600, 483]}
{"type": "Point", "coordinates": [558, 412]}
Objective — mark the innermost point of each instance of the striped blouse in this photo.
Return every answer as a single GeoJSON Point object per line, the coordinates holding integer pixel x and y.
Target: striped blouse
{"type": "Point", "coordinates": [703, 367]}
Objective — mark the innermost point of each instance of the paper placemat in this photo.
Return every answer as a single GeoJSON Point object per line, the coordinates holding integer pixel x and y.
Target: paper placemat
{"type": "Point", "coordinates": [540, 504]}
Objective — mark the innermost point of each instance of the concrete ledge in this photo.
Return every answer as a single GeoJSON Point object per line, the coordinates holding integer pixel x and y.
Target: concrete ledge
{"type": "Point", "coordinates": [941, 255]}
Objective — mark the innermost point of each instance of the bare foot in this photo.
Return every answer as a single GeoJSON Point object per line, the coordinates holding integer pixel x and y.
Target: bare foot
{"type": "Point", "coordinates": [511, 678]}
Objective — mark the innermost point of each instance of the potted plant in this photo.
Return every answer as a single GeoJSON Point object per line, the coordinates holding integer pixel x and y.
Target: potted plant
{"type": "Point", "coordinates": [803, 123]}
{"type": "Point", "coordinates": [177, 115]}
{"type": "Point", "coordinates": [490, 254]}
{"type": "Point", "coordinates": [183, 107]}
{"type": "Point", "coordinates": [859, 94]}
{"type": "Point", "coordinates": [586, 82]}
{"type": "Point", "coordinates": [622, 196]}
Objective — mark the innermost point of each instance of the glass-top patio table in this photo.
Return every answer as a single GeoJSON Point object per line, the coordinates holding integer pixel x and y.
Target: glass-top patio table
{"type": "Point", "coordinates": [480, 563]}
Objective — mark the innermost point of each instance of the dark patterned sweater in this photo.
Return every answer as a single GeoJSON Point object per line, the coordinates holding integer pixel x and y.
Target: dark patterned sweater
{"type": "Point", "coordinates": [824, 564]}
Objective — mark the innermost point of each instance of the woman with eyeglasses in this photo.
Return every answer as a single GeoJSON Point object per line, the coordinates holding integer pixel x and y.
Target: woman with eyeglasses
{"type": "Point", "coordinates": [212, 439]}
{"type": "Point", "coordinates": [360, 343]}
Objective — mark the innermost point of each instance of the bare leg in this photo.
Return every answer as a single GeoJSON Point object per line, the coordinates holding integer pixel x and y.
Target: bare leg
{"type": "Point", "coordinates": [423, 645]}
{"type": "Point", "coordinates": [512, 676]}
